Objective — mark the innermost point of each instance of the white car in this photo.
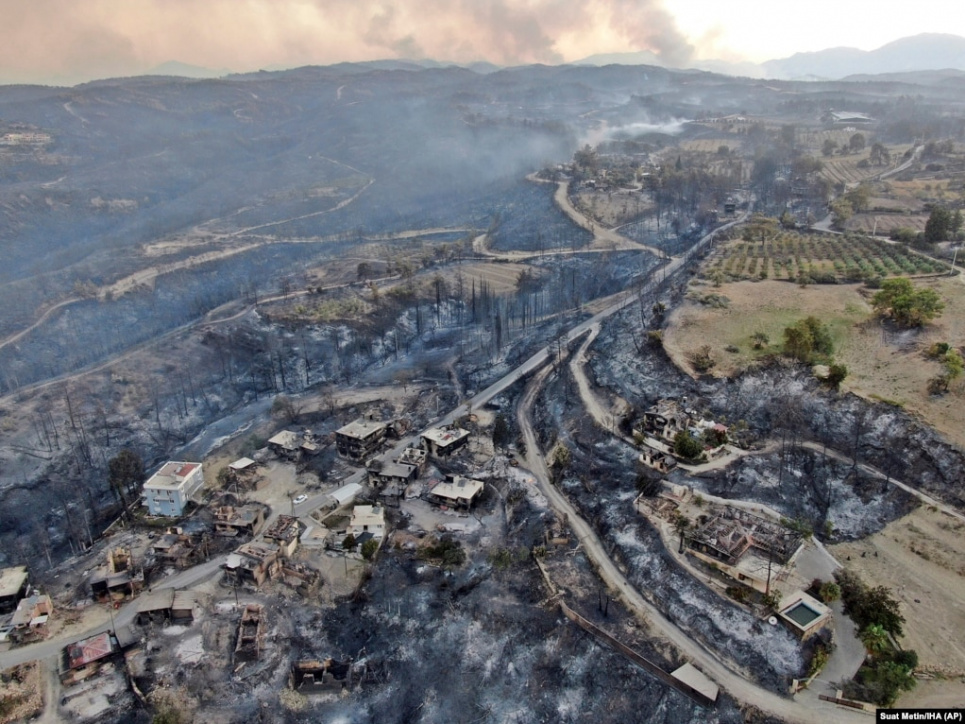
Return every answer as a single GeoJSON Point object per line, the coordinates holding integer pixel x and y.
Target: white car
{"type": "Point", "coordinates": [300, 499]}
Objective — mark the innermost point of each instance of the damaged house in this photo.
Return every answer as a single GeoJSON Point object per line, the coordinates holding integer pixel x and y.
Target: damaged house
{"type": "Point", "coordinates": [230, 521]}
{"type": "Point", "coordinates": [456, 492]}
{"type": "Point", "coordinates": [360, 439]}
{"type": "Point", "coordinates": [13, 587]}
{"type": "Point", "coordinates": [251, 563]}
{"type": "Point", "coordinates": [243, 474]}
{"type": "Point", "coordinates": [32, 615]}
{"type": "Point", "coordinates": [320, 677]}
{"type": "Point", "coordinates": [284, 533]}
{"type": "Point", "coordinates": [664, 420]}
{"type": "Point", "coordinates": [251, 634]}
{"type": "Point", "coordinates": [751, 550]}
{"type": "Point", "coordinates": [415, 456]}
{"type": "Point", "coordinates": [393, 475]}
{"type": "Point", "coordinates": [119, 579]}
{"type": "Point", "coordinates": [176, 548]}
{"type": "Point", "coordinates": [443, 442]}
{"type": "Point", "coordinates": [84, 658]}
{"type": "Point", "coordinates": [291, 446]}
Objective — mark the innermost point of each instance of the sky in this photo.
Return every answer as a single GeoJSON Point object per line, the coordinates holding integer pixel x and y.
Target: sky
{"type": "Point", "coordinates": [66, 41]}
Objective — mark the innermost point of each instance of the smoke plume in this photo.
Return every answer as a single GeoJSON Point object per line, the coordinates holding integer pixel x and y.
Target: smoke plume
{"type": "Point", "coordinates": [67, 41]}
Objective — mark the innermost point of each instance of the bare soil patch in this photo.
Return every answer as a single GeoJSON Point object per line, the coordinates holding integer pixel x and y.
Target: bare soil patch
{"type": "Point", "coordinates": [501, 278]}
{"type": "Point", "coordinates": [882, 363]}
{"type": "Point", "coordinates": [884, 224]}
{"type": "Point", "coordinates": [612, 208]}
{"type": "Point", "coordinates": [921, 558]}
{"type": "Point", "coordinates": [20, 693]}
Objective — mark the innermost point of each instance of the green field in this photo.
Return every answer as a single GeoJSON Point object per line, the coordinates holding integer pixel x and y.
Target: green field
{"type": "Point", "coordinates": [816, 258]}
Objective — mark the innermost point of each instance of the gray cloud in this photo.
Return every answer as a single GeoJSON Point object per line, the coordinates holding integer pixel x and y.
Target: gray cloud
{"type": "Point", "coordinates": [69, 40]}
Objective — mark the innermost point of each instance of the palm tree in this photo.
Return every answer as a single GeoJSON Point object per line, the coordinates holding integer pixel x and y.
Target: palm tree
{"type": "Point", "coordinates": [874, 638]}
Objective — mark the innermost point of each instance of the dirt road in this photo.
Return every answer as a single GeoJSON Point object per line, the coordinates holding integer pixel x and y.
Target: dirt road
{"type": "Point", "coordinates": [805, 708]}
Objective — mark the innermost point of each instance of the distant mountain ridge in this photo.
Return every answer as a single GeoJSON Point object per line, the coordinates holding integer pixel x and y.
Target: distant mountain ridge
{"type": "Point", "coordinates": [186, 70]}
{"type": "Point", "coordinates": [928, 51]}
{"type": "Point", "coordinates": [924, 52]}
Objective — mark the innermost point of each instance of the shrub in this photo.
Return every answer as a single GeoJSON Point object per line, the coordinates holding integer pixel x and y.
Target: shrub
{"type": "Point", "coordinates": [702, 358]}
{"type": "Point", "coordinates": [938, 385]}
{"type": "Point", "coordinates": [836, 375]}
{"type": "Point", "coordinates": [446, 550]}
{"type": "Point", "coordinates": [807, 338]}
{"type": "Point", "coordinates": [738, 593]}
{"type": "Point", "coordinates": [819, 659]}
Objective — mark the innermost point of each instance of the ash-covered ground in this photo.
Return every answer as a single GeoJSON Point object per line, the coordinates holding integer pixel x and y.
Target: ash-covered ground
{"type": "Point", "coordinates": [600, 481]}
{"type": "Point", "coordinates": [785, 409]}
{"type": "Point", "coordinates": [482, 643]}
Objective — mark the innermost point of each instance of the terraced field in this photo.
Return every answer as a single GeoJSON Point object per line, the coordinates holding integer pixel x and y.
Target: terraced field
{"type": "Point", "coordinates": [845, 170]}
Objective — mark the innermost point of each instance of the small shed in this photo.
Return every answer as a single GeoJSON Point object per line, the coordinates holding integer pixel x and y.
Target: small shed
{"type": "Point", "coordinates": [182, 607]}
{"type": "Point", "coordinates": [343, 496]}
{"type": "Point", "coordinates": [154, 607]}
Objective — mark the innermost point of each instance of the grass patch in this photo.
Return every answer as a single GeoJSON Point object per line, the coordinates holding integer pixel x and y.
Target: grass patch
{"type": "Point", "coordinates": [884, 363]}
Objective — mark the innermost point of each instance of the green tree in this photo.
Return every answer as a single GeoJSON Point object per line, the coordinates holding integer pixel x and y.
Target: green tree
{"type": "Point", "coordinates": [907, 306]}
{"type": "Point", "coordinates": [348, 542]}
{"type": "Point", "coordinates": [859, 197]}
{"type": "Point", "coordinates": [798, 342]}
{"type": "Point", "coordinates": [841, 211]}
{"type": "Point", "coordinates": [369, 548]}
{"type": "Point", "coordinates": [939, 224]}
{"type": "Point", "coordinates": [687, 446]}
{"type": "Point", "coordinates": [806, 338]}
{"type": "Point", "coordinates": [560, 461]}
{"type": "Point", "coordinates": [587, 159]}
{"type": "Point", "coordinates": [879, 154]}
{"type": "Point", "coordinates": [954, 365]}
{"type": "Point", "coordinates": [868, 606]}
{"type": "Point", "coordinates": [856, 143]}
{"type": "Point", "coordinates": [829, 147]}
{"type": "Point", "coordinates": [836, 375]}
{"type": "Point", "coordinates": [888, 680]}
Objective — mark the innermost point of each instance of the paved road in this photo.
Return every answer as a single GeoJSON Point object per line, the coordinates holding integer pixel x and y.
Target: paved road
{"type": "Point", "coordinates": [122, 617]}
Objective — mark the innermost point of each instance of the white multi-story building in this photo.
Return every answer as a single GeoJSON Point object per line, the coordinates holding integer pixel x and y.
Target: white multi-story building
{"type": "Point", "coordinates": [367, 519]}
{"type": "Point", "coordinates": [168, 491]}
